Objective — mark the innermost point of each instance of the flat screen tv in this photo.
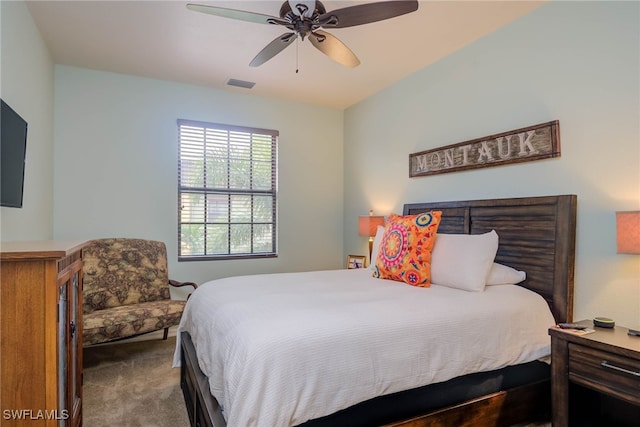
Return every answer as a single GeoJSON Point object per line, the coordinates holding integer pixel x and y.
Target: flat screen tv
{"type": "Point", "coordinates": [13, 150]}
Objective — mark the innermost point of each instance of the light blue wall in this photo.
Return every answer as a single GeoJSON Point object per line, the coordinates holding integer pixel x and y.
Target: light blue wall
{"type": "Point", "coordinates": [576, 62]}
{"type": "Point", "coordinates": [26, 84]}
{"type": "Point", "coordinates": [116, 159]}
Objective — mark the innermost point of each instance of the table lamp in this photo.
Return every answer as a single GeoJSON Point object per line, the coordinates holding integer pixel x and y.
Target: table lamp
{"type": "Point", "coordinates": [628, 232]}
{"type": "Point", "coordinates": [368, 226]}
{"type": "Point", "coordinates": [628, 239]}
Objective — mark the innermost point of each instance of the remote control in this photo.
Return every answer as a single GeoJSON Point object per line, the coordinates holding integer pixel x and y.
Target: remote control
{"type": "Point", "coordinates": [635, 332]}
{"type": "Point", "coordinates": [571, 326]}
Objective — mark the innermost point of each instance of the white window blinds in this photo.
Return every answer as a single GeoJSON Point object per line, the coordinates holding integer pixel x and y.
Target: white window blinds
{"type": "Point", "coordinates": [227, 191]}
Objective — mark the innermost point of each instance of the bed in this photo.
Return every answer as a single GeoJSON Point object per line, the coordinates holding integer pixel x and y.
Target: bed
{"type": "Point", "coordinates": [537, 235]}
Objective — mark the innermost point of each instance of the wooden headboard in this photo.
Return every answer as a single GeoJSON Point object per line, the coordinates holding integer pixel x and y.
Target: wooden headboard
{"type": "Point", "coordinates": [537, 235]}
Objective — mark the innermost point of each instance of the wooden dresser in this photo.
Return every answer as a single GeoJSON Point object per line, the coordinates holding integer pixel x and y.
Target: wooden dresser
{"type": "Point", "coordinates": [40, 333]}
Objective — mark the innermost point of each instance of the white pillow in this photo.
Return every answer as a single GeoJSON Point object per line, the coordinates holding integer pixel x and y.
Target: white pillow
{"type": "Point", "coordinates": [463, 261]}
{"type": "Point", "coordinates": [504, 275]}
{"type": "Point", "coordinates": [376, 246]}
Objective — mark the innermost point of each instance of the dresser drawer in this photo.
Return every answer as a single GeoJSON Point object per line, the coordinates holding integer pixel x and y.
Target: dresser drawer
{"type": "Point", "coordinates": [606, 372]}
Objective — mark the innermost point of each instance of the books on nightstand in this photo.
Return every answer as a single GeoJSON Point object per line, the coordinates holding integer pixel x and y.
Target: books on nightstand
{"type": "Point", "coordinates": [574, 328]}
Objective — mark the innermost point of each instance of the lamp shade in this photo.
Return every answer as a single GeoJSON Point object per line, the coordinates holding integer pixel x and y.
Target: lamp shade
{"type": "Point", "coordinates": [368, 224]}
{"type": "Point", "coordinates": [628, 232]}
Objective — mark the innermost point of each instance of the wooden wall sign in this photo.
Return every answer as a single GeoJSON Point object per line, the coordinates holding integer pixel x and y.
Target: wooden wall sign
{"type": "Point", "coordinates": [536, 142]}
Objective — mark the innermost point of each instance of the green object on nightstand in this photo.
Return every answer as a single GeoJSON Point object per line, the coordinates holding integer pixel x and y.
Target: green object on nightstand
{"type": "Point", "coordinates": [603, 322]}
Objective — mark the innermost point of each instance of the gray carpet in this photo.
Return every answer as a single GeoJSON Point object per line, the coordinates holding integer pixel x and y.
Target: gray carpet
{"type": "Point", "coordinates": [132, 385]}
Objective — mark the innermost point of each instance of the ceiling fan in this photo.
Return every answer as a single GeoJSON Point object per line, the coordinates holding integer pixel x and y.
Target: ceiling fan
{"type": "Point", "coordinates": [305, 18]}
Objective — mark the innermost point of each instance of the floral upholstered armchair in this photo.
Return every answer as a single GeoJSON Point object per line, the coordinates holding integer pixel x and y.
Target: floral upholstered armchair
{"type": "Point", "coordinates": [126, 290]}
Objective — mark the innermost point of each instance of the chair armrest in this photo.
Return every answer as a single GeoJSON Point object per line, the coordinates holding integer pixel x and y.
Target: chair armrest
{"type": "Point", "coordinates": [177, 284]}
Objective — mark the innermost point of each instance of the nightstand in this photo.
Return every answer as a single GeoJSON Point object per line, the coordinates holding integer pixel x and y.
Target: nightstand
{"type": "Point", "coordinates": [595, 378]}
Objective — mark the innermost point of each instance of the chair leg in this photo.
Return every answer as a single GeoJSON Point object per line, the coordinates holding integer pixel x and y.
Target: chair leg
{"type": "Point", "coordinates": [166, 333]}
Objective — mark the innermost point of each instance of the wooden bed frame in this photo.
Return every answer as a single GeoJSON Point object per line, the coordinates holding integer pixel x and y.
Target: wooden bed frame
{"type": "Point", "coordinates": [537, 235]}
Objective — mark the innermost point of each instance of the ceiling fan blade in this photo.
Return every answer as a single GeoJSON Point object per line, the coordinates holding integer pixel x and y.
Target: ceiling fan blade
{"type": "Point", "coordinates": [273, 48]}
{"type": "Point", "coordinates": [366, 13]}
{"type": "Point", "coordinates": [333, 48]}
{"type": "Point", "coordinates": [306, 9]}
{"type": "Point", "coordinates": [241, 15]}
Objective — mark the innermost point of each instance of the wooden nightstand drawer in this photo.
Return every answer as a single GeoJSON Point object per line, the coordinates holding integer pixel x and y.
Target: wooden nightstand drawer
{"type": "Point", "coordinates": [606, 372]}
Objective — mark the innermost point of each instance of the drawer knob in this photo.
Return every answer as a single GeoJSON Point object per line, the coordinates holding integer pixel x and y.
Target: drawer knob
{"type": "Point", "coordinates": [606, 364]}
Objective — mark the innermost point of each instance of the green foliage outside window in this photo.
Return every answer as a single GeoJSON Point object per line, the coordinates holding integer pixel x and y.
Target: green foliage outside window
{"type": "Point", "coordinates": [227, 191]}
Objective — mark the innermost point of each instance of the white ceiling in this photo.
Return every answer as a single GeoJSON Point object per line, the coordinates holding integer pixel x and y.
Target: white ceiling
{"type": "Point", "coordinates": [165, 40]}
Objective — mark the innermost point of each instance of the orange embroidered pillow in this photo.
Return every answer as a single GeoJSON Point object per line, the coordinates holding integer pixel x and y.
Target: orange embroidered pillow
{"type": "Point", "coordinates": [405, 250]}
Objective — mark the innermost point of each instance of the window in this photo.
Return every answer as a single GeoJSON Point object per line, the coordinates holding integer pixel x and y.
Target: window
{"type": "Point", "coordinates": [226, 191]}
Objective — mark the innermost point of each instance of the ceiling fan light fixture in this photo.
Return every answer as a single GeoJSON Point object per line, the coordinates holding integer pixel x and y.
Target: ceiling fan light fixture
{"type": "Point", "coordinates": [241, 83]}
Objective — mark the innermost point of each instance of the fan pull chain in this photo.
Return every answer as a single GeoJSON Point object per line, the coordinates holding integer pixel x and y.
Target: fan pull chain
{"type": "Point", "coordinates": [297, 52]}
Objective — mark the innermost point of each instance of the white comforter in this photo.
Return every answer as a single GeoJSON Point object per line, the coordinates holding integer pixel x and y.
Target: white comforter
{"type": "Point", "coordinates": [280, 349]}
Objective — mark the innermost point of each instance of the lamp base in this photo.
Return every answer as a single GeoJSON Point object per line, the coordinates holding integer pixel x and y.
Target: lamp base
{"type": "Point", "coordinates": [370, 249]}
